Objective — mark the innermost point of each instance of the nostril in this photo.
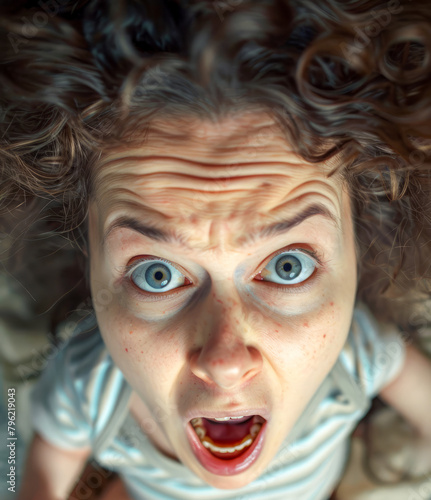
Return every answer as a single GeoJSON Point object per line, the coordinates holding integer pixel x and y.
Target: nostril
{"type": "Point", "coordinates": [226, 366]}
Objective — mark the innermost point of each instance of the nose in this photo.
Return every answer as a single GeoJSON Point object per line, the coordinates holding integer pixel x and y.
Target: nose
{"type": "Point", "coordinates": [226, 359]}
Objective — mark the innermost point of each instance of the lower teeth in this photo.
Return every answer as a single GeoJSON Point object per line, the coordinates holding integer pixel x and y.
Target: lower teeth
{"type": "Point", "coordinates": [209, 444]}
{"type": "Point", "coordinates": [246, 442]}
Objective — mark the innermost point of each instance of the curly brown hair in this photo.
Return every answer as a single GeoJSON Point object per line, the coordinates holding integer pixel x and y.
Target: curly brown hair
{"type": "Point", "coordinates": [346, 78]}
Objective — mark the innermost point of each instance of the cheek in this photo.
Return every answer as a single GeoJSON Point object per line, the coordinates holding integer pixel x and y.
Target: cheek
{"type": "Point", "coordinates": [139, 349]}
{"type": "Point", "coordinates": [309, 342]}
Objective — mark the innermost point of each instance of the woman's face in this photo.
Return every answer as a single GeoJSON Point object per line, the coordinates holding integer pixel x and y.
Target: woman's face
{"type": "Point", "coordinates": [223, 275]}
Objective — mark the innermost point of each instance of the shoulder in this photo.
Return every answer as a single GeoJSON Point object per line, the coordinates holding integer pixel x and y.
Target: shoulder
{"type": "Point", "coordinates": [374, 351]}
{"type": "Point", "coordinates": [81, 347]}
{"type": "Point", "coordinates": [77, 390]}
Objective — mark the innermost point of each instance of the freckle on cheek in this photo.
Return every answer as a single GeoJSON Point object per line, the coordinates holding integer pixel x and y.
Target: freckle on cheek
{"type": "Point", "coordinates": [131, 331]}
{"type": "Point", "coordinates": [324, 336]}
{"type": "Point", "coordinates": [331, 304]}
{"type": "Point", "coordinates": [306, 324]}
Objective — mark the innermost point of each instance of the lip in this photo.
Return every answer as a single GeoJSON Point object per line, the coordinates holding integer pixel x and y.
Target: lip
{"type": "Point", "coordinates": [220, 466]}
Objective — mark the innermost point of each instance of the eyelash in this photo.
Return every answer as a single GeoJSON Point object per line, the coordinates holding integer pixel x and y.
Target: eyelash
{"type": "Point", "coordinates": [127, 271]}
{"type": "Point", "coordinates": [126, 277]}
{"type": "Point", "coordinates": [304, 286]}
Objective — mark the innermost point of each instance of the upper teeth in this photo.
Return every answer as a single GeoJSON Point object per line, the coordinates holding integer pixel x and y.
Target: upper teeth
{"type": "Point", "coordinates": [221, 419]}
{"type": "Point", "coordinates": [199, 422]}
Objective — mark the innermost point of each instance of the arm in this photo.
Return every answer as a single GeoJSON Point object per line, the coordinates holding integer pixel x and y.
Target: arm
{"type": "Point", "coordinates": [50, 472]}
{"type": "Point", "coordinates": [115, 491]}
{"type": "Point", "coordinates": [410, 392]}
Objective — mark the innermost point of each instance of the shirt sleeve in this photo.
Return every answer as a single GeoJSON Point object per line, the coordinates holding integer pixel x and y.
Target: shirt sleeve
{"type": "Point", "coordinates": [374, 352]}
{"type": "Point", "coordinates": [58, 409]}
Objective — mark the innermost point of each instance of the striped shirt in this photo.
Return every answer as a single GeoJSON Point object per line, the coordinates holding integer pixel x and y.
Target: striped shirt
{"type": "Point", "coordinates": [82, 399]}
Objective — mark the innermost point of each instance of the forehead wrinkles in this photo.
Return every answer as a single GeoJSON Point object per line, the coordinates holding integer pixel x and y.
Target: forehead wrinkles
{"type": "Point", "coordinates": [200, 219]}
{"type": "Point", "coordinates": [213, 192]}
{"type": "Point", "coordinates": [209, 172]}
{"type": "Point", "coordinates": [206, 139]}
{"type": "Point", "coordinates": [202, 145]}
{"type": "Point", "coordinates": [204, 157]}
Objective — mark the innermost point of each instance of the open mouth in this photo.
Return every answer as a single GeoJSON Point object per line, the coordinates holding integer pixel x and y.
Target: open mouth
{"type": "Point", "coordinates": [227, 445]}
{"type": "Point", "coordinates": [230, 437]}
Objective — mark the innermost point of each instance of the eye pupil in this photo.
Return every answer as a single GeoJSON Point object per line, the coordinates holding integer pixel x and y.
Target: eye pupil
{"type": "Point", "coordinates": [287, 267]}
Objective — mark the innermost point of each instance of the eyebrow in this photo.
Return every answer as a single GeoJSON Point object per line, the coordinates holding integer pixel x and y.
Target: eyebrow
{"type": "Point", "coordinates": [171, 236]}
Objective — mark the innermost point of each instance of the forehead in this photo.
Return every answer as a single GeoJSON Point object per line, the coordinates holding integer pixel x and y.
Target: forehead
{"type": "Point", "coordinates": [239, 170]}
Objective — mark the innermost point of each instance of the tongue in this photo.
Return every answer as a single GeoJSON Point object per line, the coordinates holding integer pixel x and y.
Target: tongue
{"type": "Point", "coordinates": [224, 434]}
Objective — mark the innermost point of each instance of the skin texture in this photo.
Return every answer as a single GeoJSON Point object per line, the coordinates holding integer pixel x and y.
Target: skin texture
{"type": "Point", "coordinates": [224, 340]}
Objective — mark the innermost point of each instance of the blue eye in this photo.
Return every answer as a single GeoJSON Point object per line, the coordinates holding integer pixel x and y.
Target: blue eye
{"type": "Point", "coordinates": [156, 276]}
{"type": "Point", "coordinates": [289, 268]}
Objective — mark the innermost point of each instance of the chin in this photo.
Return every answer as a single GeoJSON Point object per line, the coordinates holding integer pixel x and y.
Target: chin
{"type": "Point", "coordinates": [228, 483]}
